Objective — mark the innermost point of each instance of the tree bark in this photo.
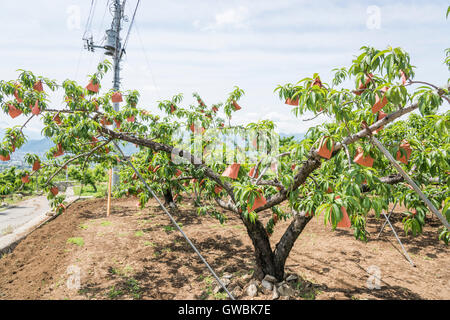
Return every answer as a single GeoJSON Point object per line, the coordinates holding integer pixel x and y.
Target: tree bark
{"type": "Point", "coordinates": [273, 262]}
{"type": "Point", "coordinates": [287, 241]}
{"type": "Point", "coordinates": [265, 259]}
{"type": "Point", "coordinates": [168, 198]}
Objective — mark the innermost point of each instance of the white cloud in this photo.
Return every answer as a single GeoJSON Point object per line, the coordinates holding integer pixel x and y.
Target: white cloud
{"type": "Point", "coordinates": [253, 44]}
{"type": "Point", "coordinates": [236, 18]}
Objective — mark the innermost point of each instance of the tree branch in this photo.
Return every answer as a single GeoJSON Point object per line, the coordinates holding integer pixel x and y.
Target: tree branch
{"type": "Point", "coordinates": [314, 160]}
{"type": "Point", "coordinates": [74, 158]}
{"type": "Point", "coordinates": [156, 146]}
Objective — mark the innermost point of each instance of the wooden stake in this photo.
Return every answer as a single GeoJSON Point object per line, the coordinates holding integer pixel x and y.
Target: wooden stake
{"type": "Point", "coordinates": [108, 209]}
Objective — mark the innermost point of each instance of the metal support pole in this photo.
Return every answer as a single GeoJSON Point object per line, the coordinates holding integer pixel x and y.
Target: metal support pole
{"type": "Point", "coordinates": [384, 224]}
{"type": "Point", "coordinates": [398, 239]}
{"type": "Point", "coordinates": [411, 182]}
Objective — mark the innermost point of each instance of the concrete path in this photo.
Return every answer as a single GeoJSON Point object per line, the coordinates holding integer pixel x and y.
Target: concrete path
{"type": "Point", "coordinates": [16, 220]}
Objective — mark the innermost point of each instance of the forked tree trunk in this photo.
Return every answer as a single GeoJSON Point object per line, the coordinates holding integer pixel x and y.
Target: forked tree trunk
{"type": "Point", "coordinates": [273, 262]}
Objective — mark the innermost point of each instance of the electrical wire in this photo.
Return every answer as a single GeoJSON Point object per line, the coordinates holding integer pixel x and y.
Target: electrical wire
{"type": "Point", "coordinates": [100, 30]}
{"type": "Point", "coordinates": [146, 57]}
{"type": "Point", "coordinates": [87, 29]}
{"type": "Point", "coordinates": [93, 14]}
{"type": "Point", "coordinates": [129, 28]}
{"type": "Point", "coordinates": [88, 26]}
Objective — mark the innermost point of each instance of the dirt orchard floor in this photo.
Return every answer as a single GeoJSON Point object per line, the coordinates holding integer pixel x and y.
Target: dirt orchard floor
{"type": "Point", "coordinates": [137, 254]}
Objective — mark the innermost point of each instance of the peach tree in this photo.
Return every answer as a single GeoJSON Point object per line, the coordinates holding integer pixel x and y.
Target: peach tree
{"type": "Point", "coordinates": [335, 172]}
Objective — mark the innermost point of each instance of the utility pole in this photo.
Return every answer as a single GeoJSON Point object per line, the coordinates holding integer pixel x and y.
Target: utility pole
{"type": "Point", "coordinates": [113, 47]}
{"type": "Point", "coordinates": [116, 26]}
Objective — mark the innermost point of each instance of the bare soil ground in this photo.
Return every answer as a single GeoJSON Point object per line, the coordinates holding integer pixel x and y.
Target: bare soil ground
{"type": "Point", "coordinates": [136, 254]}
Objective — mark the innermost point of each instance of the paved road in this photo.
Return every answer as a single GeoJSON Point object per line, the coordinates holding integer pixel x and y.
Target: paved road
{"type": "Point", "coordinates": [16, 220]}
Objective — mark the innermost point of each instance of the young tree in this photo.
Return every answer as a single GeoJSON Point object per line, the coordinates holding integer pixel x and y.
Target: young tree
{"type": "Point", "coordinates": [334, 168]}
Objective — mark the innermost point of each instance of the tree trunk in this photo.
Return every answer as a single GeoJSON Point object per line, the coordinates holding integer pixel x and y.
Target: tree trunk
{"type": "Point", "coordinates": [265, 262]}
{"type": "Point", "coordinates": [287, 241]}
{"type": "Point", "coordinates": [168, 198]}
{"type": "Point", "coordinates": [273, 262]}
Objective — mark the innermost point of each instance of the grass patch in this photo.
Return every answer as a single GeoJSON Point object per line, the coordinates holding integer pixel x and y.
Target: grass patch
{"type": "Point", "coordinates": [89, 190]}
{"type": "Point", "coordinates": [170, 228]}
{"type": "Point", "coordinates": [121, 272]}
{"type": "Point", "coordinates": [139, 233]}
{"type": "Point", "coordinates": [220, 296]}
{"type": "Point", "coordinates": [114, 293]}
{"type": "Point", "coordinates": [12, 199]}
{"type": "Point", "coordinates": [127, 270]}
{"type": "Point", "coordinates": [106, 223]}
{"type": "Point", "coordinates": [143, 222]}
{"type": "Point", "coordinates": [307, 290]}
{"type": "Point", "coordinates": [133, 288]}
{"type": "Point", "coordinates": [208, 280]}
{"type": "Point", "coordinates": [114, 271]}
{"type": "Point", "coordinates": [78, 241]}
{"type": "Point", "coordinates": [83, 226]}
{"type": "Point", "coordinates": [128, 285]}
{"type": "Point", "coordinates": [149, 243]}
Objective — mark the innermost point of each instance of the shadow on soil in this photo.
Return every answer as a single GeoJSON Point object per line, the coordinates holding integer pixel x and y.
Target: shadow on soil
{"type": "Point", "coordinates": [150, 282]}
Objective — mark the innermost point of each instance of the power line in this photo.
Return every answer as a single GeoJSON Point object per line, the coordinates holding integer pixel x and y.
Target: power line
{"type": "Point", "coordinates": [88, 27]}
{"type": "Point", "coordinates": [99, 34]}
{"type": "Point", "coordinates": [145, 56]}
{"type": "Point", "coordinates": [93, 14]}
{"type": "Point", "coordinates": [144, 51]}
{"type": "Point", "coordinates": [89, 19]}
{"type": "Point", "coordinates": [100, 30]}
{"type": "Point", "coordinates": [129, 28]}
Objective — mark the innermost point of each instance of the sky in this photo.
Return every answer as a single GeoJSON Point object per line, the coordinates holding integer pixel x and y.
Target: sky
{"type": "Point", "coordinates": [211, 46]}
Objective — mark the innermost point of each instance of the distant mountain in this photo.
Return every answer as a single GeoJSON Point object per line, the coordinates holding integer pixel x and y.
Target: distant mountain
{"type": "Point", "coordinates": [297, 136]}
{"type": "Point", "coordinates": [41, 146]}
{"type": "Point", "coordinates": [37, 146]}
